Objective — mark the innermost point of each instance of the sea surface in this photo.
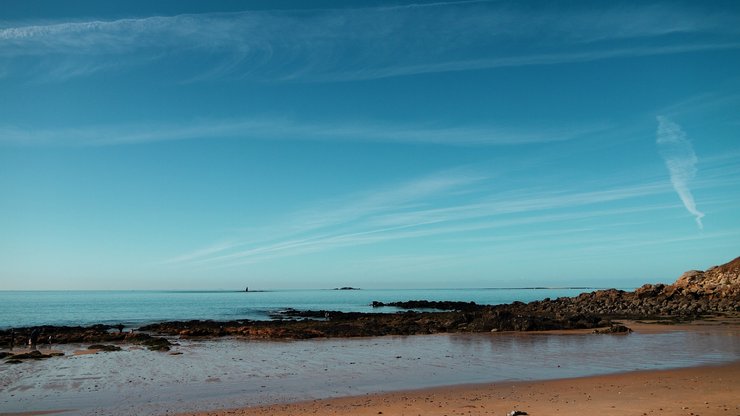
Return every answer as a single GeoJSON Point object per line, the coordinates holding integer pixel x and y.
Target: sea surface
{"type": "Point", "coordinates": [133, 308]}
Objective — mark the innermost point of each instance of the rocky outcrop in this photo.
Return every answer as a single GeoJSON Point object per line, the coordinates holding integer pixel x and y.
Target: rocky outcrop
{"type": "Point", "coordinates": [614, 329]}
{"type": "Point", "coordinates": [104, 347]}
{"type": "Point", "coordinates": [430, 304]}
{"type": "Point", "coordinates": [355, 324]}
{"type": "Point", "coordinates": [695, 293]}
{"type": "Point", "coordinates": [717, 283]}
{"type": "Point", "coordinates": [95, 334]}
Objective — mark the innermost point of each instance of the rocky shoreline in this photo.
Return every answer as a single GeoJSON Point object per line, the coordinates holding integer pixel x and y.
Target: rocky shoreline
{"type": "Point", "coordinates": [695, 294]}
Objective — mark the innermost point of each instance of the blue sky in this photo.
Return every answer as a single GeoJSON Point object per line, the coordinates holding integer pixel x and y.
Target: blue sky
{"type": "Point", "coordinates": [189, 145]}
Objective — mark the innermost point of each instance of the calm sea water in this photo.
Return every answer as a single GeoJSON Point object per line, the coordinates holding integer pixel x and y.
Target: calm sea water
{"type": "Point", "coordinates": [30, 308]}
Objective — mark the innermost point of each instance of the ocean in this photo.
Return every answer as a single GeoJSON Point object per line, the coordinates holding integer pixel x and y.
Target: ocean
{"type": "Point", "coordinates": [134, 308]}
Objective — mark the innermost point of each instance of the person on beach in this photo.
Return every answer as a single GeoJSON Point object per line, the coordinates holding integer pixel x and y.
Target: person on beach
{"type": "Point", "coordinates": [33, 338]}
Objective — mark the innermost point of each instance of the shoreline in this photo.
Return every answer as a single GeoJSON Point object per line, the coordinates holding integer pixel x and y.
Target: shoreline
{"type": "Point", "coordinates": [355, 375]}
{"type": "Point", "coordinates": [705, 390]}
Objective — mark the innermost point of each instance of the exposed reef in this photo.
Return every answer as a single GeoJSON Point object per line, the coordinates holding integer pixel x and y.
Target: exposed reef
{"type": "Point", "coordinates": [430, 304]}
{"type": "Point", "coordinates": [694, 294]}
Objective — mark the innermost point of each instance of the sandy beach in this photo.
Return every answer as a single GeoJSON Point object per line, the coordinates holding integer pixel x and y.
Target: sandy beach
{"type": "Point", "coordinates": [705, 391]}
{"type": "Point", "coordinates": [687, 369]}
{"type": "Point", "coordinates": [441, 374]}
{"type": "Point", "coordinates": [695, 391]}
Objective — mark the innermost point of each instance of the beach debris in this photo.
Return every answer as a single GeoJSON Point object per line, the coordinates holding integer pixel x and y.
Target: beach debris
{"type": "Point", "coordinates": [517, 413]}
{"type": "Point", "coordinates": [152, 343]}
{"type": "Point", "coordinates": [105, 348]}
{"type": "Point", "coordinates": [157, 344]}
{"type": "Point", "coordinates": [614, 329]}
{"type": "Point", "coordinates": [5, 354]}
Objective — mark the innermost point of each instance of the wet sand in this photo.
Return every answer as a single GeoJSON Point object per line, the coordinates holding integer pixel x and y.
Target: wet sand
{"type": "Point", "coordinates": [228, 373]}
{"type": "Point", "coordinates": [705, 391]}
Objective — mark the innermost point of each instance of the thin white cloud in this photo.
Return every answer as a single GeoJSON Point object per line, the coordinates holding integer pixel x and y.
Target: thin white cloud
{"type": "Point", "coordinates": [344, 213]}
{"type": "Point", "coordinates": [400, 214]}
{"type": "Point", "coordinates": [201, 253]}
{"type": "Point", "coordinates": [680, 159]}
{"type": "Point", "coordinates": [345, 44]}
{"type": "Point", "coordinates": [285, 129]}
{"type": "Point", "coordinates": [525, 60]}
{"type": "Point", "coordinates": [703, 103]}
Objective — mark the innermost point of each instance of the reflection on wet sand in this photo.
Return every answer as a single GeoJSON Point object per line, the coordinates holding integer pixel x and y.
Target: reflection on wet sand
{"type": "Point", "coordinates": [236, 373]}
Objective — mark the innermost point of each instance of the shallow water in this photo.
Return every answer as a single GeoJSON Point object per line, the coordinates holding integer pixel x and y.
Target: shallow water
{"type": "Point", "coordinates": [233, 373]}
{"type": "Point", "coordinates": [134, 308]}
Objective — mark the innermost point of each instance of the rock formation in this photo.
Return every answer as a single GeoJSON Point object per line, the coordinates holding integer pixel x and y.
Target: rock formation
{"type": "Point", "coordinates": [694, 294]}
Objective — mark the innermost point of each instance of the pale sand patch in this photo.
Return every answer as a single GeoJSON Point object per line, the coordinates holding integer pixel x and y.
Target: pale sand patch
{"type": "Point", "coordinates": [85, 352]}
{"type": "Point", "coordinates": [704, 391]}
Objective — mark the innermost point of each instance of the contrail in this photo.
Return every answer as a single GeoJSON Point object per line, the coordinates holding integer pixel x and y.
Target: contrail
{"type": "Point", "coordinates": [681, 160]}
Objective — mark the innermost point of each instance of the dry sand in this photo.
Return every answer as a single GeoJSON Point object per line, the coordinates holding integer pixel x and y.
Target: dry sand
{"type": "Point", "coordinates": [703, 391]}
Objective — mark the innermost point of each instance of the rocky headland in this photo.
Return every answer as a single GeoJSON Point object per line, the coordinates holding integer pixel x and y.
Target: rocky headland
{"type": "Point", "coordinates": [695, 294]}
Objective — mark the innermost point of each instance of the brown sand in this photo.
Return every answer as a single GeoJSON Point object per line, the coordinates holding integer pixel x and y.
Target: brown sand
{"type": "Point", "coordinates": [704, 391]}
{"type": "Point", "coordinates": [698, 391]}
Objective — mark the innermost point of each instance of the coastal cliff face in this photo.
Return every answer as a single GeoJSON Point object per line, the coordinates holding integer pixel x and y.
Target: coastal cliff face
{"type": "Point", "coordinates": [716, 289]}
{"type": "Point", "coordinates": [694, 293]}
{"type": "Point", "coordinates": [717, 282]}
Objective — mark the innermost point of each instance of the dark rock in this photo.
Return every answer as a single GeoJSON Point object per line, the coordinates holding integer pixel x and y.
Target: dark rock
{"type": "Point", "coordinates": [102, 347]}
{"type": "Point", "coordinates": [614, 329]}
{"type": "Point", "coordinates": [157, 344]}
{"type": "Point", "coordinates": [430, 304]}
{"type": "Point", "coordinates": [716, 290]}
{"type": "Point", "coordinates": [33, 355]}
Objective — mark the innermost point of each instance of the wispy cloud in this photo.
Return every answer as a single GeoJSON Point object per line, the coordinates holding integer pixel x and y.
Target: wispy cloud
{"type": "Point", "coordinates": [679, 156]}
{"type": "Point", "coordinates": [201, 253]}
{"type": "Point", "coordinates": [282, 128]}
{"type": "Point", "coordinates": [464, 207]}
{"type": "Point", "coordinates": [703, 103]}
{"type": "Point", "coordinates": [337, 221]}
{"type": "Point", "coordinates": [408, 212]}
{"type": "Point", "coordinates": [527, 60]}
{"type": "Point", "coordinates": [346, 44]}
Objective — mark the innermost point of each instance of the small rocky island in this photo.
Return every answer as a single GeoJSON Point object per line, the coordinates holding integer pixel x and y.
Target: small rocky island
{"type": "Point", "coordinates": [695, 294]}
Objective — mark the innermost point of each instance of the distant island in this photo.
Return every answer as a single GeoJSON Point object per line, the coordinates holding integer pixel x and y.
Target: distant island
{"type": "Point", "coordinates": [347, 288]}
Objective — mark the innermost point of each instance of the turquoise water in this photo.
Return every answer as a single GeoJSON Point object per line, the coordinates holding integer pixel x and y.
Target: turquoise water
{"type": "Point", "coordinates": [30, 308]}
